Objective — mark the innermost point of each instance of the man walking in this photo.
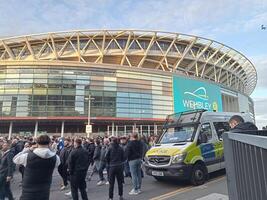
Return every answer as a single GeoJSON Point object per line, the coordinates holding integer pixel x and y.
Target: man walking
{"type": "Point", "coordinates": [115, 160]}
{"type": "Point", "coordinates": [134, 152]}
{"type": "Point", "coordinates": [6, 172]}
{"type": "Point", "coordinates": [78, 164]}
{"type": "Point", "coordinates": [63, 167]}
{"type": "Point", "coordinates": [39, 166]}
{"type": "Point", "coordinates": [103, 163]}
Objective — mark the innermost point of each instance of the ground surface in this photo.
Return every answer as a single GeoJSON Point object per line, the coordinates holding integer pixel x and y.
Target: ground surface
{"type": "Point", "coordinates": [214, 189]}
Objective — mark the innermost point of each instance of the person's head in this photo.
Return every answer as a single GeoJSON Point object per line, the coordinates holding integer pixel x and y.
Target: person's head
{"type": "Point", "coordinates": [77, 143]}
{"type": "Point", "coordinates": [106, 141]}
{"type": "Point", "coordinates": [123, 140]}
{"type": "Point", "coordinates": [43, 141]}
{"type": "Point", "coordinates": [5, 146]}
{"type": "Point", "coordinates": [97, 142]}
{"type": "Point", "coordinates": [235, 120]}
{"type": "Point", "coordinates": [67, 142]}
{"type": "Point", "coordinates": [114, 140]}
{"type": "Point", "coordinates": [134, 136]}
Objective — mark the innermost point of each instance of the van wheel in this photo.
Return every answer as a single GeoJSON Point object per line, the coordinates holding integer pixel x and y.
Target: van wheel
{"type": "Point", "coordinates": [160, 179]}
{"type": "Point", "coordinates": [199, 174]}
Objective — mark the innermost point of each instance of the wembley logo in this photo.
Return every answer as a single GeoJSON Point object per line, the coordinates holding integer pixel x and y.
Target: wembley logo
{"type": "Point", "coordinates": [200, 93]}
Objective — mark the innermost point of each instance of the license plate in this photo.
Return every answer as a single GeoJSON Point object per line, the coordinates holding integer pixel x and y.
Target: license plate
{"type": "Point", "coordinates": [157, 173]}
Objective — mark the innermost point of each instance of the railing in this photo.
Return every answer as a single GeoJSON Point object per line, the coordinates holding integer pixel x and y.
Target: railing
{"type": "Point", "coordinates": [246, 165]}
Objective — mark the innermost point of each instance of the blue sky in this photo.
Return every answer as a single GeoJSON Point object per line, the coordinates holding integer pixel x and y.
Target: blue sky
{"type": "Point", "coordinates": [234, 23]}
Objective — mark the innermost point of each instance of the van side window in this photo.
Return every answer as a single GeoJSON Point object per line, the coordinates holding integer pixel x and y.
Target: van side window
{"type": "Point", "coordinates": [205, 133]}
{"type": "Point", "coordinates": [221, 127]}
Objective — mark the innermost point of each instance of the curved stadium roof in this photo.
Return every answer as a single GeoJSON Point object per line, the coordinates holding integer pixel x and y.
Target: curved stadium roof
{"type": "Point", "coordinates": [173, 52]}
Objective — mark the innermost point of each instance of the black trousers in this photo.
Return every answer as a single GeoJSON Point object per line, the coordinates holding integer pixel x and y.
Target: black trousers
{"type": "Point", "coordinates": [5, 191]}
{"type": "Point", "coordinates": [62, 170]}
{"type": "Point", "coordinates": [77, 182]}
{"type": "Point", "coordinates": [115, 172]}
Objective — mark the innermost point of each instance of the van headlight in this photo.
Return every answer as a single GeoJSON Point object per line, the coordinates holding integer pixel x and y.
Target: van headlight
{"type": "Point", "coordinates": [178, 158]}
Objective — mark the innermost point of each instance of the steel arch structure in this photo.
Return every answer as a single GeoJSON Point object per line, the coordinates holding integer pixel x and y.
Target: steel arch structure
{"type": "Point", "coordinates": [172, 52]}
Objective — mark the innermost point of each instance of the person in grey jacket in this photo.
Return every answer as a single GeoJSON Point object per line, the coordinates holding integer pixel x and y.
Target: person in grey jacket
{"type": "Point", "coordinates": [103, 162]}
{"type": "Point", "coordinates": [6, 172]}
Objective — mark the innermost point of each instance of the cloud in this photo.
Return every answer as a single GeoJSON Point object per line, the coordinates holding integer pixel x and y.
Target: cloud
{"type": "Point", "coordinates": [261, 111]}
{"type": "Point", "coordinates": [20, 17]}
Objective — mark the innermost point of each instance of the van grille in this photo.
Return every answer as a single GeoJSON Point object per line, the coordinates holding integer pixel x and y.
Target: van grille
{"type": "Point", "coordinates": [159, 160]}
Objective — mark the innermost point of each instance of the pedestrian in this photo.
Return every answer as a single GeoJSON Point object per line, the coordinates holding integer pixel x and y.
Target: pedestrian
{"type": "Point", "coordinates": [238, 125]}
{"type": "Point", "coordinates": [90, 148]}
{"type": "Point", "coordinates": [96, 158]}
{"type": "Point", "coordinates": [6, 171]}
{"type": "Point", "coordinates": [115, 160]}
{"type": "Point", "coordinates": [39, 165]}
{"type": "Point", "coordinates": [126, 167]}
{"type": "Point", "coordinates": [78, 164]}
{"type": "Point", "coordinates": [63, 167]}
{"type": "Point", "coordinates": [103, 164]}
{"type": "Point", "coordinates": [134, 152]}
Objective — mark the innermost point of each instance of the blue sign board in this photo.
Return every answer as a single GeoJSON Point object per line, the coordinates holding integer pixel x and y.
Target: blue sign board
{"type": "Point", "coordinates": [191, 94]}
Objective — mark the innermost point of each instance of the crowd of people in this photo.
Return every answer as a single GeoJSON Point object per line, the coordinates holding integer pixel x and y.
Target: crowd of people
{"type": "Point", "coordinates": [77, 159]}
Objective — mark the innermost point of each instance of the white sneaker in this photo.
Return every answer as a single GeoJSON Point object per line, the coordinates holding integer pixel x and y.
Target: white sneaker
{"type": "Point", "coordinates": [139, 191]}
{"type": "Point", "coordinates": [63, 187]}
{"type": "Point", "coordinates": [107, 183]}
{"type": "Point", "coordinates": [133, 192]}
{"type": "Point", "coordinates": [68, 193]}
{"type": "Point", "coordinates": [100, 183]}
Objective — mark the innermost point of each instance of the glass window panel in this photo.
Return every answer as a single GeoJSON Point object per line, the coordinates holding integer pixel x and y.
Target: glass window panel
{"type": "Point", "coordinates": [11, 91]}
{"type": "Point", "coordinates": [26, 80]}
{"type": "Point", "coordinates": [26, 71]}
{"type": "Point", "coordinates": [26, 75]}
{"type": "Point", "coordinates": [69, 92]}
{"type": "Point", "coordinates": [12, 76]}
{"type": "Point", "coordinates": [40, 91]}
{"type": "Point", "coordinates": [54, 91]}
{"type": "Point", "coordinates": [10, 81]}
{"type": "Point", "coordinates": [37, 76]}
{"type": "Point", "coordinates": [25, 91]}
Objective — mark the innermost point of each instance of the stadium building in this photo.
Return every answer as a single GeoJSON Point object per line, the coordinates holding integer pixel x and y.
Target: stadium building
{"type": "Point", "coordinates": [135, 78]}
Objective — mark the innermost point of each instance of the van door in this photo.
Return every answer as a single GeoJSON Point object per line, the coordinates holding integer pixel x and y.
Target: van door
{"type": "Point", "coordinates": [208, 147]}
{"type": "Point", "coordinates": [220, 128]}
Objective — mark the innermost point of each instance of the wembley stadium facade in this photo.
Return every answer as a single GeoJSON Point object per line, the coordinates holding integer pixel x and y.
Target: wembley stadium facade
{"type": "Point", "coordinates": [135, 79]}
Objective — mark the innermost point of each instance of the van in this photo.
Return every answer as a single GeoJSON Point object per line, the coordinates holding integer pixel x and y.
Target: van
{"type": "Point", "coordinates": [190, 146]}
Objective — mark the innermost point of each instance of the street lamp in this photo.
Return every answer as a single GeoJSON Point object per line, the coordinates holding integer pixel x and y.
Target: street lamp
{"type": "Point", "coordinates": [88, 127]}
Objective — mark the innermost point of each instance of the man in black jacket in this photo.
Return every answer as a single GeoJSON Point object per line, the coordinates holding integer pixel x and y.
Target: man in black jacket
{"type": "Point", "coordinates": [63, 167]}
{"type": "Point", "coordinates": [238, 125]}
{"type": "Point", "coordinates": [6, 172]}
{"type": "Point", "coordinates": [78, 164]}
{"type": "Point", "coordinates": [134, 152]}
{"type": "Point", "coordinates": [115, 160]}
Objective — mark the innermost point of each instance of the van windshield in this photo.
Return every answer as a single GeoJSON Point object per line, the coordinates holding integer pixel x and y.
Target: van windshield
{"type": "Point", "coordinates": [178, 134]}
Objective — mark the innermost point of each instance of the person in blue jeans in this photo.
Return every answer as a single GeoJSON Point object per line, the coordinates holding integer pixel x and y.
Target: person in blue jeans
{"type": "Point", "coordinates": [134, 153]}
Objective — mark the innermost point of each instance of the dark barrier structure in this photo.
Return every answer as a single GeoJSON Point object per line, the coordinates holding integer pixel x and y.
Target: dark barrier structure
{"type": "Point", "coordinates": [246, 165]}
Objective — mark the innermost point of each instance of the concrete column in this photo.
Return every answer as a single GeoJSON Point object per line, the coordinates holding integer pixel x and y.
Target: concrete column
{"type": "Point", "coordinates": [141, 129]}
{"type": "Point", "coordinates": [112, 130]}
{"type": "Point", "coordinates": [155, 129]}
{"type": "Point", "coordinates": [117, 131]}
{"type": "Point", "coordinates": [62, 128]}
{"type": "Point", "coordinates": [10, 130]}
{"type": "Point", "coordinates": [148, 130]}
{"type": "Point", "coordinates": [133, 128]}
{"type": "Point", "coordinates": [36, 129]}
{"type": "Point", "coordinates": [108, 130]}
{"type": "Point", "coordinates": [125, 129]}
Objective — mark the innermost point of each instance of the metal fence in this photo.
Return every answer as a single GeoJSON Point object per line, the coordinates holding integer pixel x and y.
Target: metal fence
{"type": "Point", "coordinates": [246, 165]}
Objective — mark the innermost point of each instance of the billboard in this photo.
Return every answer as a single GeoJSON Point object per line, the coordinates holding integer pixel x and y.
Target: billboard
{"type": "Point", "coordinates": [192, 94]}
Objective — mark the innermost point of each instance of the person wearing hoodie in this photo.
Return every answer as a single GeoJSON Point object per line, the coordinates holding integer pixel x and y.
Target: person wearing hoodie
{"type": "Point", "coordinates": [115, 160]}
{"type": "Point", "coordinates": [39, 166]}
{"type": "Point", "coordinates": [238, 125]}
